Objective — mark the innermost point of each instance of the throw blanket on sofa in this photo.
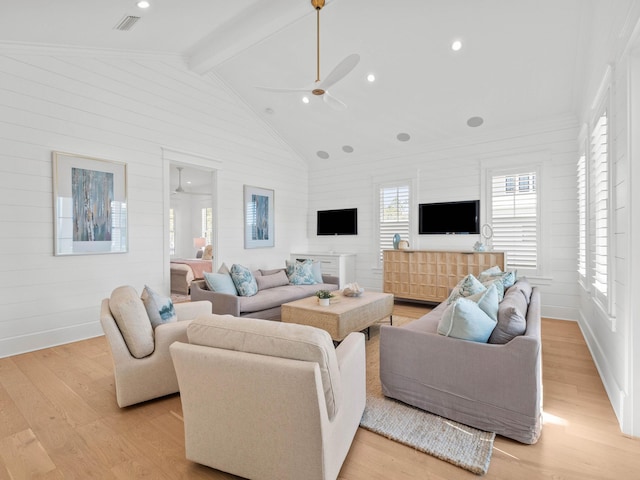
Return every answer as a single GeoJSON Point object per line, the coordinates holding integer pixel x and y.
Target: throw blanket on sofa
{"type": "Point", "coordinates": [198, 266]}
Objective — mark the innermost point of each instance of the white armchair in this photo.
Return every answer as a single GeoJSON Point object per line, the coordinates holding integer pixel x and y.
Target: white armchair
{"type": "Point", "coordinates": [268, 400]}
{"type": "Point", "coordinates": [152, 375]}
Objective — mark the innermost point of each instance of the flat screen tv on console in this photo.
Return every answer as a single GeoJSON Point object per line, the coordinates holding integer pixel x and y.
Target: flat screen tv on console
{"type": "Point", "coordinates": [449, 218]}
{"type": "Point", "coordinates": [338, 222]}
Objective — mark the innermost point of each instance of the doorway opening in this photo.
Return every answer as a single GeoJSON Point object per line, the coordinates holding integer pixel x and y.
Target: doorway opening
{"type": "Point", "coordinates": [191, 214]}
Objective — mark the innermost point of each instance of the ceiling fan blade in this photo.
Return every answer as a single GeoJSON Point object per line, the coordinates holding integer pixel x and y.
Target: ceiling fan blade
{"type": "Point", "coordinates": [341, 70]}
{"type": "Point", "coordinates": [333, 102]}
{"type": "Point", "coordinates": [284, 90]}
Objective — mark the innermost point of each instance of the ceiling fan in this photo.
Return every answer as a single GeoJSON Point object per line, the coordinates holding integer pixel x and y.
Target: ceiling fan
{"type": "Point", "coordinates": [180, 189]}
{"type": "Point", "coordinates": [320, 87]}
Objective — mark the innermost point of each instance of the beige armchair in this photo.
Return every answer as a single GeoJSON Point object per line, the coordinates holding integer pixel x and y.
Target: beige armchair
{"type": "Point", "coordinates": [152, 375]}
{"type": "Point", "coordinates": [268, 400]}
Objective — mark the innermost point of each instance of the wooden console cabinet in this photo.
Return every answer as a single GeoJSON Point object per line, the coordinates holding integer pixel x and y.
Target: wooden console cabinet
{"type": "Point", "coordinates": [429, 275]}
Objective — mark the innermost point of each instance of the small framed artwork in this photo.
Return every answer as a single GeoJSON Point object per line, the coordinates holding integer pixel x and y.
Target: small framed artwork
{"type": "Point", "coordinates": [258, 217]}
{"type": "Point", "coordinates": [89, 204]}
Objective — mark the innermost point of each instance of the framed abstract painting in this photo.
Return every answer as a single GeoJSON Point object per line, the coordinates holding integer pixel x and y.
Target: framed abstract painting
{"type": "Point", "coordinates": [90, 205]}
{"type": "Point", "coordinates": [258, 217]}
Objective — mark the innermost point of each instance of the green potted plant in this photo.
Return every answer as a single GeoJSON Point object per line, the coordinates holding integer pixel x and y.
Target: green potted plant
{"type": "Point", "coordinates": [324, 297]}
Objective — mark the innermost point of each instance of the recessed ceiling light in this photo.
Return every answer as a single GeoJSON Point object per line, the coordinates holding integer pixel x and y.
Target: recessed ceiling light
{"type": "Point", "coordinates": [322, 154]}
{"type": "Point", "coordinates": [347, 149]}
{"type": "Point", "coordinates": [143, 4]}
{"type": "Point", "coordinates": [475, 121]}
{"type": "Point", "coordinates": [305, 100]}
{"type": "Point", "coordinates": [403, 137]}
{"type": "Point", "coordinates": [371, 78]}
{"type": "Point", "coordinates": [269, 110]}
{"type": "Point", "coordinates": [456, 45]}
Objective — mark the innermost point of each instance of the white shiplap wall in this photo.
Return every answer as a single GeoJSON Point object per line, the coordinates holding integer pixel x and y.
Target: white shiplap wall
{"type": "Point", "coordinates": [451, 172]}
{"type": "Point", "coordinates": [125, 109]}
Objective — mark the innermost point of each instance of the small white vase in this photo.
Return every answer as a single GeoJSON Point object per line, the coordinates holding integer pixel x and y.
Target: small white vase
{"type": "Point", "coordinates": [324, 302]}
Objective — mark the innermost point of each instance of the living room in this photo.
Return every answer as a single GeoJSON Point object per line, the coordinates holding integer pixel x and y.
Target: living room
{"type": "Point", "coordinates": [150, 110]}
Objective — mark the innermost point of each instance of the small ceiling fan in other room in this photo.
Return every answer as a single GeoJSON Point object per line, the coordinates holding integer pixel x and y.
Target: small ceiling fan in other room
{"type": "Point", "coordinates": [321, 87]}
{"type": "Point", "coordinates": [180, 189]}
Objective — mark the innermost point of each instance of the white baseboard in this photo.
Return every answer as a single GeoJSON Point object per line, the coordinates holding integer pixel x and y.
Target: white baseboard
{"type": "Point", "coordinates": [50, 338]}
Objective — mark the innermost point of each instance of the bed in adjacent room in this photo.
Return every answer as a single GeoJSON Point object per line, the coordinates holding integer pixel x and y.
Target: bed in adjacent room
{"type": "Point", "coordinates": [186, 270]}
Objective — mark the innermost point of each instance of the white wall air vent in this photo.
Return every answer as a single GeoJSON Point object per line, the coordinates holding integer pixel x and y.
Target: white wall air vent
{"type": "Point", "coordinates": [127, 23]}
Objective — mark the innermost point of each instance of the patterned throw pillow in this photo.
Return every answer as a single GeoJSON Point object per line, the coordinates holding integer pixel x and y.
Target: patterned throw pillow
{"type": "Point", "coordinates": [494, 273]}
{"type": "Point", "coordinates": [159, 308]}
{"type": "Point", "coordinates": [316, 268]}
{"type": "Point", "coordinates": [301, 273]}
{"type": "Point", "coordinates": [499, 286]}
{"type": "Point", "coordinates": [468, 286]}
{"type": "Point", "coordinates": [244, 280]}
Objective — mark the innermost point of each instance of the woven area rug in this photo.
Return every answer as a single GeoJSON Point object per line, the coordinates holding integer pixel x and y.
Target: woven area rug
{"type": "Point", "coordinates": [463, 446]}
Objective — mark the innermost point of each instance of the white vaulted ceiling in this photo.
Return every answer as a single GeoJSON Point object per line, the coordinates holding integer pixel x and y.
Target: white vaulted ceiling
{"type": "Point", "coordinates": [521, 62]}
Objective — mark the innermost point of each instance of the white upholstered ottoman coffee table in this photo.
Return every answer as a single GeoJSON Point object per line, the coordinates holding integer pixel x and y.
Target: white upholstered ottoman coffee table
{"type": "Point", "coordinates": [343, 316]}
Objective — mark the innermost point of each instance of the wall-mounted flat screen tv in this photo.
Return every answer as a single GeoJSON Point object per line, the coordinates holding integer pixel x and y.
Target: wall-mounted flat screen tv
{"type": "Point", "coordinates": [338, 222]}
{"type": "Point", "coordinates": [449, 218]}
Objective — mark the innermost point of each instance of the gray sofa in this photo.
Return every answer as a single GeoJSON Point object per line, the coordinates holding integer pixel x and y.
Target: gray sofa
{"type": "Point", "coordinates": [489, 386]}
{"type": "Point", "coordinates": [266, 303]}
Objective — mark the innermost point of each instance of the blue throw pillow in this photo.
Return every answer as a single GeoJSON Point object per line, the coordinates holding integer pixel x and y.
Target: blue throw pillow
{"type": "Point", "coordinates": [464, 319]}
{"type": "Point", "coordinates": [244, 280]}
{"type": "Point", "coordinates": [159, 308]}
{"type": "Point", "coordinates": [220, 282]}
{"type": "Point", "coordinates": [301, 273]}
{"type": "Point", "coordinates": [488, 301]}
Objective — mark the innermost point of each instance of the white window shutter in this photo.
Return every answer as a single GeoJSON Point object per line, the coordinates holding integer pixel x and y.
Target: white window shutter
{"type": "Point", "coordinates": [514, 218]}
{"type": "Point", "coordinates": [582, 216]}
{"type": "Point", "coordinates": [394, 214]}
{"type": "Point", "coordinates": [600, 205]}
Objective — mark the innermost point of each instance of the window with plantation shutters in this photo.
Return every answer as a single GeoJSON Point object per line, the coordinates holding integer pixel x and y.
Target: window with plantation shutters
{"type": "Point", "coordinates": [582, 217]}
{"type": "Point", "coordinates": [207, 224]}
{"type": "Point", "coordinates": [118, 226]}
{"type": "Point", "coordinates": [394, 206]}
{"type": "Point", "coordinates": [514, 217]}
{"type": "Point", "coordinates": [172, 231]}
{"type": "Point", "coordinates": [599, 205]}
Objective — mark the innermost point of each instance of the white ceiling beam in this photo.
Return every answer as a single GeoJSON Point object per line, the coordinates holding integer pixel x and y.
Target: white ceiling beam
{"type": "Point", "coordinates": [249, 27]}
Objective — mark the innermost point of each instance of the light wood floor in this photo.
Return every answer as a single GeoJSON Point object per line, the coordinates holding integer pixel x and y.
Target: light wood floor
{"type": "Point", "coordinates": [59, 419]}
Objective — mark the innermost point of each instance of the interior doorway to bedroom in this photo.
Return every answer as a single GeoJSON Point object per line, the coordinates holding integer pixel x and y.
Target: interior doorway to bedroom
{"type": "Point", "coordinates": [191, 218]}
{"type": "Point", "coordinates": [191, 213]}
